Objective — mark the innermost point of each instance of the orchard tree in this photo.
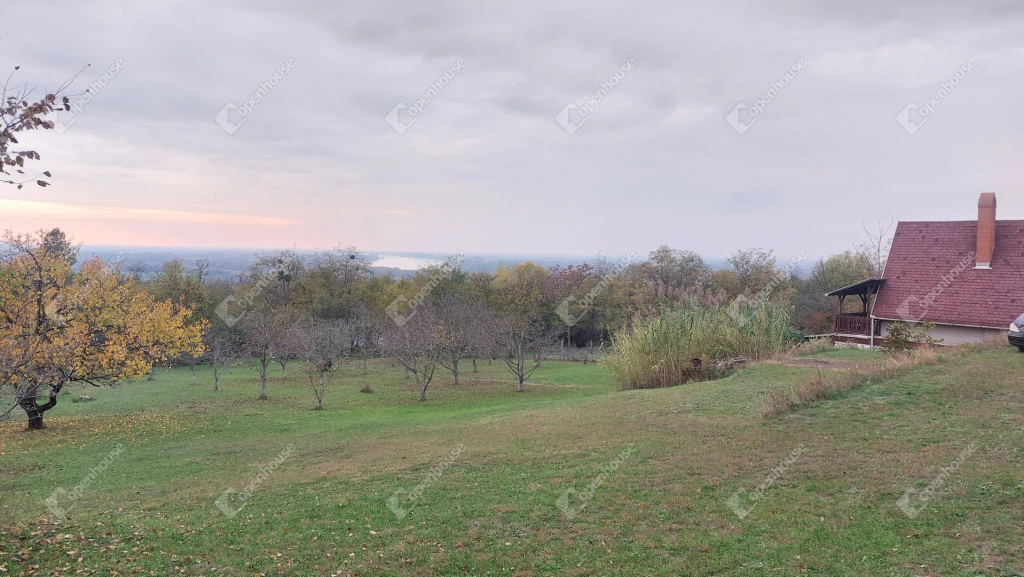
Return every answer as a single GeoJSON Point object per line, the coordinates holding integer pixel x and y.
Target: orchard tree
{"type": "Point", "coordinates": [265, 329]}
{"type": "Point", "coordinates": [366, 329]}
{"type": "Point", "coordinates": [414, 346]}
{"type": "Point", "coordinates": [185, 288]}
{"type": "Point", "coordinates": [483, 334]}
{"type": "Point", "coordinates": [522, 345]}
{"type": "Point", "coordinates": [323, 344]}
{"type": "Point", "coordinates": [284, 351]}
{"type": "Point", "coordinates": [328, 288]}
{"type": "Point", "coordinates": [274, 278]}
{"type": "Point", "coordinates": [92, 326]}
{"type": "Point", "coordinates": [222, 348]}
{"type": "Point", "coordinates": [564, 287]}
{"type": "Point", "coordinates": [457, 332]}
{"type": "Point", "coordinates": [520, 329]}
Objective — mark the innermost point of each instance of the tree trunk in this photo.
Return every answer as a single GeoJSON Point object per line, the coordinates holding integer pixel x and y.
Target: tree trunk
{"type": "Point", "coordinates": [423, 393]}
{"type": "Point", "coordinates": [522, 369]}
{"type": "Point", "coordinates": [284, 372]}
{"type": "Point", "coordinates": [263, 380]}
{"type": "Point", "coordinates": [193, 367]}
{"type": "Point", "coordinates": [474, 364]}
{"type": "Point", "coordinates": [455, 370]}
{"type": "Point", "coordinates": [35, 411]}
{"type": "Point", "coordinates": [364, 363]}
{"type": "Point", "coordinates": [151, 376]}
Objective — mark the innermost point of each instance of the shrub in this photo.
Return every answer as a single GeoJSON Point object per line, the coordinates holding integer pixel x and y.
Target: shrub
{"type": "Point", "coordinates": [366, 388]}
{"type": "Point", "coordinates": [81, 399]}
{"type": "Point", "coordinates": [673, 348]}
{"type": "Point", "coordinates": [897, 339]}
{"type": "Point", "coordinates": [901, 338]}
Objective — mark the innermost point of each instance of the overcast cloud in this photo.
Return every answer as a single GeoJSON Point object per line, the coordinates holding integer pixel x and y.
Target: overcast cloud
{"type": "Point", "coordinates": [486, 167]}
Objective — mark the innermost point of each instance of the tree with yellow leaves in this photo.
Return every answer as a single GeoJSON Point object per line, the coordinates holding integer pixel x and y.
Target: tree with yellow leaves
{"type": "Point", "coordinates": [59, 326]}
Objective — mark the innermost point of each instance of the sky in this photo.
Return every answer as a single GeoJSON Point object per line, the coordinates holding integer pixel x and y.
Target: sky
{"type": "Point", "coordinates": [530, 127]}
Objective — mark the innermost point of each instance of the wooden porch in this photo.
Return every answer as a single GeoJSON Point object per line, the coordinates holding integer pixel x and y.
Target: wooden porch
{"type": "Point", "coordinates": [857, 323]}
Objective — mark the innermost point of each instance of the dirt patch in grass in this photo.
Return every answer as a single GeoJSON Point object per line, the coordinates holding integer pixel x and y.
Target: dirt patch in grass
{"type": "Point", "coordinates": [820, 364]}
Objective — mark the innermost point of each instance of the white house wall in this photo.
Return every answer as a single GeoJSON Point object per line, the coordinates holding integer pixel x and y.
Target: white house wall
{"type": "Point", "coordinates": [952, 335]}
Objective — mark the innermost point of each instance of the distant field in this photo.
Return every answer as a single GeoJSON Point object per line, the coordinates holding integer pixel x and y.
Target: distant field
{"type": "Point", "coordinates": [492, 508]}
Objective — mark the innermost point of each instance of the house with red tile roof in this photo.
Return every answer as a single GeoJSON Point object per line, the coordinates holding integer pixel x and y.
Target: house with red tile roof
{"type": "Point", "coordinates": [966, 277]}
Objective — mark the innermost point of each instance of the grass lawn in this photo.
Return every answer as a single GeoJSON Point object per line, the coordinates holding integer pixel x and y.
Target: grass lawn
{"type": "Point", "coordinates": [670, 474]}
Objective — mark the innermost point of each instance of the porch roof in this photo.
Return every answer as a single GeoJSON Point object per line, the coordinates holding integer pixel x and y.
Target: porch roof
{"type": "Point", "coordinates": [864, 287]}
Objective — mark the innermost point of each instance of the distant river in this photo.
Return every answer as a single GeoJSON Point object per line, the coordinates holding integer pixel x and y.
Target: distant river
{"type": "Point", "coordinates": [403, 262]}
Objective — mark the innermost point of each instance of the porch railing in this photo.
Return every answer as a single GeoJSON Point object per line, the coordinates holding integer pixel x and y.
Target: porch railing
{"type": "Point", "coordinates": [855, 324]}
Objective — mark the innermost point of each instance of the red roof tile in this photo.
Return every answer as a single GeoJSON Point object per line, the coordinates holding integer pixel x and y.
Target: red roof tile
{"type": "Point", "coordinates": [931, 277]}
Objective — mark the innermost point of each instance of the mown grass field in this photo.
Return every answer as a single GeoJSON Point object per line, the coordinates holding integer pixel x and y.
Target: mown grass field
{"type": "Point", "coordinates": [663, 511]}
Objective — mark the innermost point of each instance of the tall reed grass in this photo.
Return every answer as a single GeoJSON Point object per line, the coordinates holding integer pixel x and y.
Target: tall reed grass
{"type": "Point", "coordinates": [659, 351]}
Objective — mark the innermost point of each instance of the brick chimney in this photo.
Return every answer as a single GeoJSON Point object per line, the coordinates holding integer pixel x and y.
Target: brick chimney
{"type": "Point", "coordinates": [986, 229]}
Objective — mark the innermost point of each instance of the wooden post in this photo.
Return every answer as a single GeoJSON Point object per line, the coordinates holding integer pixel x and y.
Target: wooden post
{"type": "Point", "coordinates": [839, 313]}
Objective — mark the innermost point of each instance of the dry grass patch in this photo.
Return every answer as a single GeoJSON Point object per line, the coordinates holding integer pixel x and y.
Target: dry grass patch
{"type": "Point", "coordinates": [830, 384]}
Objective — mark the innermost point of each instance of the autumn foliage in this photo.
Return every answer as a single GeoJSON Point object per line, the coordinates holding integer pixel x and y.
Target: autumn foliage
{"type": "Point", "coordinates": [92, 325]}
{"type": "Point", "coordinates": [19, 113]}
